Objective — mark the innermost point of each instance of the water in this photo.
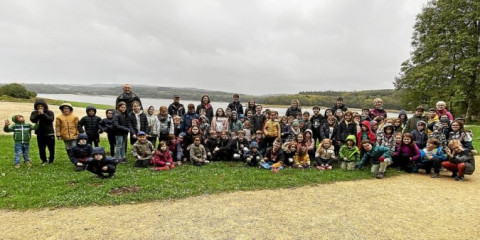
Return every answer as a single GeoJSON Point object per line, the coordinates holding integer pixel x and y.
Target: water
{"type": "Point", "coordinates": [157, 102]}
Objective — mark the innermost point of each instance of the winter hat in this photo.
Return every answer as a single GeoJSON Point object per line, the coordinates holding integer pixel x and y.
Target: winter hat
{"type": "Point", "coordinates": [254, 145]}
{"type": "Point", "coordinates": [295, 123]}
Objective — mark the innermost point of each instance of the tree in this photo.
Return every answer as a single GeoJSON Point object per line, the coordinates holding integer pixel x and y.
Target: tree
{"type": "Point", "coordinates": [445, 61]}
{"type": "Point", "coordinates": [16, 90]}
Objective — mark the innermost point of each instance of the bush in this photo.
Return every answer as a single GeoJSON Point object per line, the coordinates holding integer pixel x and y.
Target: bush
{"type": "Point", "coordinates": [16, 90]}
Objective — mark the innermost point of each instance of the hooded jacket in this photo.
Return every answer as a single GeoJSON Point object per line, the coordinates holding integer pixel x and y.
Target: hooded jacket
{"type": "Point", "coordinates": [198, 153]}
{"type": "Point", "coordinates": [44, 121]}
{"type": "Point", "coordinates": [90, 124]}
{"type": "Point", "coordinates": [384, 140]}
{"type": "Point", "coordinates": [138, 120]}
{"type": "Point", "coordinates": [413, 122]}
{"type": "Point", "coordinates": [98, 165]}
{"type": "Point", "coordinates": [375, 154]}
{"type": "Point", "coordinates": [352, 154]}
{"type": "Point", "coordinates": [66, 125]}
{"type": "Point", "coordinates": [81, 153]}
{"type": "Point", "coordinates": [121, 124]}
{"type": "Point", "coordinates": [370, 135]}
{"type": "Point", "coordinates": [22, 132]}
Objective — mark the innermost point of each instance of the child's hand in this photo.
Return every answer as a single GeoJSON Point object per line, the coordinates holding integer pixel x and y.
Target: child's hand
{"type": "Point", "coordinates": [168, 164]}
{"type": "Point", "coordinates": [7, 123]}
{"type": "Point", "coordinates": [105, 168]}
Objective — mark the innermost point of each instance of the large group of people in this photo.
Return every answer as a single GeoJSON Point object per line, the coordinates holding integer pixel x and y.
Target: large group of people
{"type": "Point", "coordinates": [259, 137]}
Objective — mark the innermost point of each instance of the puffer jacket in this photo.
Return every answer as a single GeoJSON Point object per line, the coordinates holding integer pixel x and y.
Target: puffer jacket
{"type": "Point", "coordinates": [420, 137]}
{"type": "Point", "coordinates": [351, 154]}
{"type": "Point", "coordinates": [22, 132]}
{"type": "Point", "coordinates": [134, 122]}
{"type": "Point", "coordinates": [346, 128]}
{"type": "Point", "coordinates": [325, 153]}
{"type": "Point", "coordinates": [66, 125]}
{"type": "Point", "coordinates": [161, 159]}
{"type": "Point", "coordinates": [44, 121]}
{"type": "Point", "coordinates": [90, 124]}
{"type": "Point", "coordinates": [271, 129]}
{"type": "Point", "coordinates": [81, 153]}
{"type": "Point", "coordinates": [466, 157]}
{"type": "Point", "coordinates": [143, 150]}
{"type": "Point", "coordinates": [121, 124]}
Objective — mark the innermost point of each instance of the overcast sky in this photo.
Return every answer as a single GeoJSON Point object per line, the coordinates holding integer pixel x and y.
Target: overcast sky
{"type": "Point", "coordinates": [247, 46]}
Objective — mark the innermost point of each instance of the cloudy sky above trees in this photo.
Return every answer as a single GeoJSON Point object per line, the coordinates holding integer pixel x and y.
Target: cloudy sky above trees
{"type": "Point", "coordinates": [248, 46]}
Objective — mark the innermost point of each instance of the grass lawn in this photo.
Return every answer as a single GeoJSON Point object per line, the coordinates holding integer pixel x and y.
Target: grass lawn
{"type": "Point", "coordinates": [58, 185]}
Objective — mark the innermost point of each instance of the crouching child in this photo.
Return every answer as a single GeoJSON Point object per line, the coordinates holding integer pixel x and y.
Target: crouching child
{"type": "Point", "coordinates": [274, 157]}
{"type": "Point", "coordinates": [22, 133]}
{"type": "Point", "coordinates": [302, 159]}
{"type": "Point", "coordinates": [142, 150]}
{"type": "Point", "coordinates": [81, 152]}
{"type": "Point", "coordinates": [101, 165]}
{"type": "Point", "coordinates": [325, 155]}
{"type": "Point", "coordinates": [349, 154]}
{"type": "Point", "coordinates": [253, 157]}
{"type": "Point", "coordinates": [379, 157]}
{"type": "Point", "coordinates": [198, 155]}
{"type": "Point", "coordinates": [162, 160]}
{"type": "Point", "coordinates": [432, 156]}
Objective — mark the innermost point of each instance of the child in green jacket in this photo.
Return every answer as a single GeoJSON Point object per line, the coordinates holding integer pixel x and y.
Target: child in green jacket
{"type": "Point", "coordinates": [21, 135]}
{"type": "Point", "coordinates": [349, 154]}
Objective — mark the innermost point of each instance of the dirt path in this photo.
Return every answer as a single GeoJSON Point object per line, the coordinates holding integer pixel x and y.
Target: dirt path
{"type": "Point", "coordinates": [403, 207]}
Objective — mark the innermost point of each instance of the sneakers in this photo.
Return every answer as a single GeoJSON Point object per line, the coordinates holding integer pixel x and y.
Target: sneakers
{"type": "Point", "coordinates": [28, 164]}
{"type": "Point", "coordinates": [328, 167]}
{"type": "Point", "coordinates": [459, 178]}
{"type": "Point", "coordinates": [380, 175]}
{"type": "Point", "coordinates": [17, 165]}
{"type": "Point", "coordinates": [454, 175]}
{"type": "Point", "coordinates": [435, 175]}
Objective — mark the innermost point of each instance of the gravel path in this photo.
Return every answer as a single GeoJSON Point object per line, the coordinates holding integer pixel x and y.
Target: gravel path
{"type": "Point", "coordinates": [403, 207]}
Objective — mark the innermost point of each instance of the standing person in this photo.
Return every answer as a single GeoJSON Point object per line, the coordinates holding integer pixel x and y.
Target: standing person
{"type": "Point", "coordinates": [21, 136]}
{"type": "Point", "coordinates": [346, 127]}
{"type": "Point", "coordinates": [121, 126]}
{"type": "Point", "coordinates": [153, 126]}
{"type": "Point", "coordinates": [166, 124]}
{"type": "Point", "coordinates": [442, 110]}
{"type": "Point", "coordinates": [106, 125]}
{"type": "Point", "coordinates": [377, 111]}
{"type": "Point", "coordinates": [412, 122]}
{"type": "Point", "coordinates": [251, 106]}
{"type": "Point", "coordinates": [176, 108]}
{"type": "Point", "coordinates": [316, 120]}
{"type": "Point", "coordinates": [258, 119]}
{"type": "Point", "coordinates": [128, 97]}
{"type": "Point", "coordinates": [90, 125]}
{"type": "Point", "coordinates": [271, 129]}
{"type": "Point", "coordinates": [189, 117]}
{"type": "Point", "coordinates": [66, 127]}
{"type": "Point", "coordinates": [460, 160]}
{"type": "Point", "coordinates": [294, 109]}
{"type": "Point", "coordinates": [138, 121]}
{"type": "Point", "coordinates": [205, 105]}
{"type": "Point", "coordinates": [236, 105]}
{"type": "Point", "coordinates": [44, 117]}
{"type": "Point", "coordinates": [339, 105]}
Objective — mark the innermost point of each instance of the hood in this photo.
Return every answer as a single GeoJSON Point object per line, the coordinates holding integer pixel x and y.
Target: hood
{"type": "Point", "coordinates": [40, 102]}
{"type": "Point", "coordinates": [387, 125]}
{"type": "Point", "coordinates": [82, 136]}
{"type": "Point", "coordinates": [424, 124]}
{"type": "Point", "coordinates": [14, 118]}
{"type": "Point", "coordinates": [91, 108]}
{"type": "Point", "coordinates": [66, 105]}
{"type": "Point", "coordinates": [402, 112]}
{"type": "Point", "coordinates": [98, 150]}
{"type": "Point", "coordinates": [204, 118]}
{"type": "Point", "coordinates": [353, 138]}
{"type": "Point", "coordinates": [366, 123]}
{"type": "Point", "coordinates": [308, 130]}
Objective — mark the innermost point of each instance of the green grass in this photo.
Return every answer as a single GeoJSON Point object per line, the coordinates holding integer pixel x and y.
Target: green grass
{"type": "Point", "coordinates": [476, 135]}
{"type": "Point", "coordinates": [56, 102]}
{"type": "Point", "coordinates": [58, 185]}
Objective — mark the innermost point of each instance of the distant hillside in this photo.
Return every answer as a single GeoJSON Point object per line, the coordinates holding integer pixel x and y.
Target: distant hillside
{"type": "Point", "coordinates": [355, 99]}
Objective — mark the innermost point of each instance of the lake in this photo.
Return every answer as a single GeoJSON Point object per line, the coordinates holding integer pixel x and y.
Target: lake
{"type": "Point", "coordinates": [157, 102]}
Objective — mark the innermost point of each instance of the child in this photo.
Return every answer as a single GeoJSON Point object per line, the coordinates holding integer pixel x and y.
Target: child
{"type": "Point", "coordinates": [262, 145]}
{"type": "Point", "coordinates": [306, 121]}
{"type": "Point", "coordinates": [21, 135]}
{"type": "Point", "coordinates": [177, 126]}
{"type": "Point", "coordinates": [138, 121]}
{"type": "Point", "coordinates": [274, 157]}
{"type": "Point", "coordinates": [419, 135]}
{"type": "Point", "coordinates": [294, 131]}
{"type": "Point", "coordinates": [198, 155]}
{"type": "Point", "coordinates": [364, 116]}
{"type": "Point", "coordinates": [366, 133]}
{"type": "Point", "coordinates": [432, 120]}
{"type": "Point", "coordinates": [235, 124]}
{"type": "Point", "coordinates": [219, 122]}
{"type": "Point", "coordinates": [90, 125]}
{"type": "Point", "coordinates": [223, 149]}
{"type": "Point", "coordinates": [271, 129]}
{"type": "Point", "coordinates": [378, 156]}
{"type": "Point", "coordinates": [247, 130]}
{"type": "Point", "coordinates": [100, 165]}
{"type": "Point", "coordinates": [460, 160]}
{"type": "Point", "coordinates": [346, 127]}
{"type": "Point", "coordinates": [192, 133]}
{"type": "Point", "coordinates": [211, 144]}
{"type": "Point", "coordinates": [66, 127]}
{"type": "Point", "coordinates": [327, 114]}
{"type": "Point", "coordinates": [289, 151]}
{"type": "Point", "coordinates": [166, 124]}
{"type": "Point", "coordinates": [407, 154]}
{"type": "Point", "coordinates": [397, 125]}
{"type": "Point", "coordinates": [349, 154]}
{"type": "Point", "coordinates": [316, 121]}
{"type": "Point", "coordinates": [309, 143]}
{"type": "Point", "coordinates": [143, 150]}
{"type": "Point", "coordinates": [432, 156]}
{"type": "Point", "coordinates": [106, 125]}
{"type": "Point", "coordinates": [153, 126]}
{"type": "Point", "coordinates": [253, 157]}
{"type": "Point", "coordinates": [301, 160]}
{"type": "Point", "coordinates": [179, 146]}
{"type": "Point", "coordinates": [162, 160]}
{"type": "Point", "coordinates": [387, 137]}
{"type": "Point", "coordinates": [81, 152]}
{"type": "Point", "coordinates": [121, 127]}
{"type": "Point", "coordinates": [339, 114]}
{"type": "Point", "coordinates": [240, 146]}
{"type": "Point", "coordinates": [44, 117]}
{"type": "Point", "coordinates": [325, 155]}
{"type": "Point", "coordinates": [204, 127]}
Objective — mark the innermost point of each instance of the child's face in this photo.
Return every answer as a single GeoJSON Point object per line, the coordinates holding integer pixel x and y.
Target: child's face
{"type": "Point", "coordinates": [223, 136]}
{"type": "Point", "coordinates": [364, 128]}
{"type": "Point", "coordinates": [195, 130]}
{"type": "Point", "coordinates": [180, 139]}
{"type": "Point", "coordinates": [82, 142]}
{"type": "Point", "coordinates": [98, 157]}
{"type": "Point", "coordinates": [151, 111]}
{"type": "Point", "coordinates": [66, 110]}
{"type": "Point", "coordinates": [109, 114]}
{"type": "Point", "coordinates": [293, 148]}
{"type": "Point", "coordinates": [240, 136]}
{"type": "Point", "coordinates": [367, 147]}
{"type": "Point", "coordinates": [20, 119]}
{"type": "Point", "coordinates": [432, 114]}
{"type": "Point", "coordinates": [418, 113]}
{"type": "Point", "coordinates": [455, 126]}
{"type": "Point", "coordinates": [348, 117]}
{"type": "Point", "coordinates": [300, 138]}
{"type": "Point", "coordinates": [91, 112]}
{"type": "Point", "coordinates": [191, 110]}
{"type": "Point", "coordinates": [284, 120]}
{"type": "Point", "coordinates": [249, 114]}
{"type": "Point", "coordinates": [331, 122]}
{"type": "Point", "coordinates": [431, 146]}
{"type": "Point", "coordinates": [121, 109]}
{"type": "Point", "coordinates": [136, 108]}
{"type": "Point", "coordinates": [40, 106]}
{"type": "Point", "coordinates": [305, 117]}
{"type": "Point", "coordinates": [397, 123]}
{"type": "Point", "coordinates": [388, 130]}
{"type": "Point", "coordinates": [254, 149]}
{"type": "Point", "coordinates": [407, 140]}
{"type": "Point", "coordinates": [316, 111]}
{"type": "Point", "coordinates": [213, 135]}
{"type": "Point", "coordinates": [328, 113]}
{"type": "Point", "coordinates": [365, 112]}
{"type": "Point", "coordinates": [350, 143]}
{"type": "Point", "coordinates": [258, 135]}
{"type": "Point", "coordinates": [142, 138]}
{"type": "Point", "coordinates": [259, 110]}
{"type": "Point", "coordinates": [420, 127]}
{"type": "Point", "coordinates": [326, 144]}
{"type": "Point", "coordinates": [176, 121]}
{"type": "Point", "coordinates": [197, 142]}
{"type": "Point", "coordinates": [163, 148]}
{"type": "Point", "coordinates": [356, 119]}
{"type": "Point", "coordinates": [398, 138]}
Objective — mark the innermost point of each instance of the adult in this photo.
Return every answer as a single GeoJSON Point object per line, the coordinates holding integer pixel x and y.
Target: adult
{"type": "Point", "coordinates": [236, 105]}
{"type": "Point", "coordinates": [339, 105]}
{"type": "Point", "coordinates": [412, 122]}
{"type": "Point", "coordinates": [294, 109]}
{"type": "Point", "coordinates": [377, 111]}
{"type": "Point", "coordinates": [176, 108]}
{"type": "Point", "coordinates": [44, 117]}
{"type": "Point", "coordinates": [460, 160]}
{"type": "Point", "coordinates": [206, 106]}
{"type": "Point", "coordinates": [128, 97]}
{"type": "Point", "coordinates": [441, 109]}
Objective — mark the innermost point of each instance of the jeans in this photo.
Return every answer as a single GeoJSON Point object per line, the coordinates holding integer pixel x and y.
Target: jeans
{"type": "Point", "coordinates": [120, 147]}
{"type": "Point", "coordinates": [22, 148]}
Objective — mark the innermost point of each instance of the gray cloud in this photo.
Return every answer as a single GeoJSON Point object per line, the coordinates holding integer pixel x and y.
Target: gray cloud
{"type": "Point", "coordinates": [258, 47]}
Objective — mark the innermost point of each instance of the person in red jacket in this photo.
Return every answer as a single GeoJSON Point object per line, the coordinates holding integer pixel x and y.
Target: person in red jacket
{"type": "Point", "coordinates": [366, 134]}
{"type": "Point", "coordinates": [162, 160]}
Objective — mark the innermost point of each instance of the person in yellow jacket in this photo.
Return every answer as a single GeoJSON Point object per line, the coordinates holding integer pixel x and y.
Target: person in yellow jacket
{"type": "Point", "coordinates": [66, 127]}
{"type": "Point", "coordinates": [271, 128]}
{"type": "Point", "coordinates": [302, 159]}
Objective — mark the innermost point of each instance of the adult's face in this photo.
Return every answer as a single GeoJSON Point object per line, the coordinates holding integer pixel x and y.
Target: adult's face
{"type": "Point", "coordinates": [440, 106]}
{"type": "Point", "coordinates": [205, 100]}
{"type": "Point", "coordinates": [378, 104]}
{"type": "Point", "coordinates": [127, 89]}
{"type": "Point", "coordinates": [176, 100]}
{"type": "Point", "coordinates": [235, 99]}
